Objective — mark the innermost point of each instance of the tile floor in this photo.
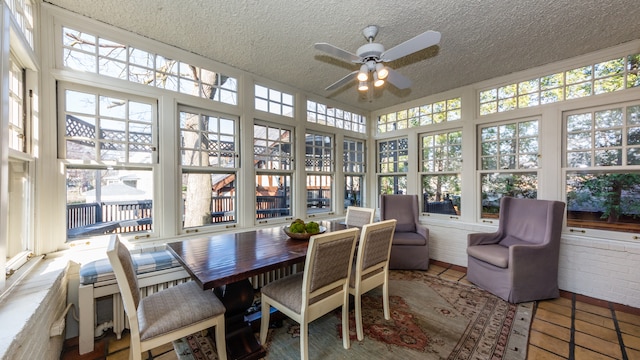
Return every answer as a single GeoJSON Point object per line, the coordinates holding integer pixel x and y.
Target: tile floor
{"type": "Point", "coordinates": [569, 327]}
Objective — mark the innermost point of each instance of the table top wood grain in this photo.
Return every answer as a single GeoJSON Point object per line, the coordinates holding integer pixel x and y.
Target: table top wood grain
{"type": "Point", "coordinates": [221, 259]}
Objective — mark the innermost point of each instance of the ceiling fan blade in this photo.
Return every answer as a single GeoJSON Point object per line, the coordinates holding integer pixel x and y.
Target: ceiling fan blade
{"type": "Point", "coordinates": [417, 43]}
{"type": "Point", "coordinates": [337, 52]}
{"type": "Point", "coordinates": [398, 80]}
{"type": "Point", "coordinates": [342, 81]}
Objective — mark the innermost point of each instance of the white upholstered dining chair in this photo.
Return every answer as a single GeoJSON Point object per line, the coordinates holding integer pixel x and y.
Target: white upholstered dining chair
{"type": "Point", "coordinates": [359, 216]}
{"type": "Point", "coordinates": [371, 268]}
{"type": "Point", "coordinates": [167, 315]}
{"type": "Point", "coordinates": [322, 287]}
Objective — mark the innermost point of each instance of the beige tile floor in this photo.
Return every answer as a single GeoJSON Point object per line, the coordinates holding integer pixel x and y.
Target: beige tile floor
{"type": "Point", "coordinates": [569, 327]}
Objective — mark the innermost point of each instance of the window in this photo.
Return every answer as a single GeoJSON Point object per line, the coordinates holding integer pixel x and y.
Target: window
{"type": "Point", "coordinates": [319, 166]}
{"type": "Point", "coordinates": [434, 113]}
{"type": "Point", "coordinates": [20, 171]}
{"type": "Point", "coordinates": [602, 163]}
{"type": "Point", "coordinates": [22, 11]}
{"type": "Point", "coordinates": [209, 154]}
{"type": "Point", "coordinates": [322, 114]}
{"type": "Point", "coordinates": [594, 79]}
{"type": "Point", "coordinates": [90, 53]}
{"type": "Point", "coordinates": [273, 159]}
{"type": "Point", "coordinates": [109, 148]}
{"type": "Point", "coordinates": [393, 164]}
{"type": "Point", "coordinates": [354, 152]}
{"type": "Point", "coordinates": [508, 163]}
{"type": "Point", "coordinates": [441, 158]}
{"type": "Point", "coordinates": [273, 101]}
{"type": "Point", "coordinates": [17, 107]}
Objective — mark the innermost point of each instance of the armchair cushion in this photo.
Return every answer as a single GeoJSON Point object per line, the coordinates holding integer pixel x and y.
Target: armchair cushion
{"type": "Point", "coordinates": [409, 238]}
{"type": "Point", "coordinates": [496, 255]}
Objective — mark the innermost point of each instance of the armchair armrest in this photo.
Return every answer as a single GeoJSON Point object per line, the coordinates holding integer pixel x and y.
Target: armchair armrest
{"type": "Point", "coordinates": [483, 238]}
{"type": "Point", "coordinates": [422, 230]}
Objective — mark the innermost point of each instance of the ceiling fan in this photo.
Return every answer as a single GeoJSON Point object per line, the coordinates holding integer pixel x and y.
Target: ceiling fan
{"type": "Point", "coordinates": [372, 56]}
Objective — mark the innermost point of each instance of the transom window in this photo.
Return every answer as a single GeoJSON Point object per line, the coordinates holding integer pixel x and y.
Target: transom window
{"type": "Point", "coordinates": [600, 78]}
{"type": "Point", "coordinates": [273, 101]}
{"type": "Point", "coordinates": [90, 53]}
{"type": "Point", "coordinates": [326, 115]}
{"type": "Point", "coordinates": [428, 114]}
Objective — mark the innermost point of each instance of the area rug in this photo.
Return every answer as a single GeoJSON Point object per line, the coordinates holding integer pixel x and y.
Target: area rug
{"type": "Point", "coordinates": [431, 318]}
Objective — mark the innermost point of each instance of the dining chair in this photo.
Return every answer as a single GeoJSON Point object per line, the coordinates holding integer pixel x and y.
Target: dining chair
{"type": "Point", "coordinates": [371, 267]}
{"type": "Point", "coordinates": [359, 216]}
{"type": "Point", "coordinates": [320, 288]}
{"type": "Point", "coordinates": [167, 315]}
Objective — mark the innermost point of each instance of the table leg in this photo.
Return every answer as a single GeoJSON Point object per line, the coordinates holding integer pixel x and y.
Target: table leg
{"type": "Point", "coordinates": [242, 344]}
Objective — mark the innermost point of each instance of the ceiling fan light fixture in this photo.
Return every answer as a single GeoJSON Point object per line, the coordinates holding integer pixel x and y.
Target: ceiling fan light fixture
{"type": "Point", "coordinates": [363, 74]}
{"type": "Point", "coordinates": [363, 86]}
{"type": "Point", "coordinates": [382, 71]}
{"type": "Point", "coordinates": [377, 82]}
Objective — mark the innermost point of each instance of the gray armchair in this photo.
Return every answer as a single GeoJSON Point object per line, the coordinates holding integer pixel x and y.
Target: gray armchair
{"type": "Point", "coordinates": [519, 262]}
{"type": "Point", "coordinates": [410, 246]}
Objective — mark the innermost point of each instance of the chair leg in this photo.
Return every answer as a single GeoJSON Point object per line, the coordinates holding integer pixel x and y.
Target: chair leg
{"type": "Point", "coordinates": [385, 299]}
{"type": "Point", "coordinates": [304, 336]}
{"type": "Point", "coordinates": [221, 341]}
{"type": "Point", "coordinates": [346, 342]}
{"type": "Point", "coordinates": [358, 305]}
{"type": "Point", "coordinates": [264, 321]}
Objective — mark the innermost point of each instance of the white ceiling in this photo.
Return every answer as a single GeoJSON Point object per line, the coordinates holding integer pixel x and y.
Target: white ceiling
{"type": "Point", "coordinates": [274, 38]}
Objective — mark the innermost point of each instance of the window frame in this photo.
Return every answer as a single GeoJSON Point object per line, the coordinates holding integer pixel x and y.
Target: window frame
{"type": "Point", "coordinates": [509, 176]}
{"type": "Point", "coordinates": [320, 171]}
{"type": "Point", "coordinates": [594, 169]}
{"type": "Point", "coordinates": [453, 168]}
{"type": "Point", "coordinates": [286, 169]}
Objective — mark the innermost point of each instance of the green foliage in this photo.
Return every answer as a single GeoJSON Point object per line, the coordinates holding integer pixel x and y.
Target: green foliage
{"type": "Point", "coordinates": [614, 193]}
{"type": "Point", "coordinates": [297, 227]}
{"type": "Point", "coordinates": [312, 227]}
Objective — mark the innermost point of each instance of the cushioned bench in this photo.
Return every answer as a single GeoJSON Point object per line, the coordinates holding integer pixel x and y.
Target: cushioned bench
{"type": "Point", "coordinates": [156, 270]}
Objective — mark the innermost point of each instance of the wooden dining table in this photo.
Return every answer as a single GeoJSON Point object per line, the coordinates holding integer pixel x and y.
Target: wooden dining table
{"type": "Point", "coordinates": [225, 262]}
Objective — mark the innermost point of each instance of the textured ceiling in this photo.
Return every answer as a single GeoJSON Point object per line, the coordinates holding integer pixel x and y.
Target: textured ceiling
{"type": "Point", "coordinates": [274, 39]}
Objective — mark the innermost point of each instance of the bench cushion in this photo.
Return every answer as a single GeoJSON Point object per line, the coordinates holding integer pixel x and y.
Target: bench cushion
{"type": "Point", "coordinates": [145, 262]}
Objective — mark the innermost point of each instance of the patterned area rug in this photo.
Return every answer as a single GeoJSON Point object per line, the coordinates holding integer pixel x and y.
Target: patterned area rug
{"type": "Point", "coordinates": [431, 318]}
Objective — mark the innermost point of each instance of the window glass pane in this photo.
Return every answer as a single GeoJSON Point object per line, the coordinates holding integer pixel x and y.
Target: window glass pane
{"type": "Point", "coordinates": [319, 190]}
{"type": "Point", "coordinates": [393, 184]}
{"type": "Point", "coordinates": [106, 201]}
{"type": "Point", "coordinates": [273, 195]}
{"type": "Point", "coordinates": [604, 200]}
{"type": "Point", "coordinates": [441, 194]}
{"type": "Point", "coordinates": [272, 147]}
{"type": "Point", "coordinates": [107, 128]}
{"type": "Point", "coordinates": [19, 203]}
{"type": "Point", "coordinates": [208, 198]}
{"type": "Point", "coordinates": [318, 152]}
{"type": "Point", "coordinates": [497, 185]}
{"type": "Point", "coordinates": [353, 190]}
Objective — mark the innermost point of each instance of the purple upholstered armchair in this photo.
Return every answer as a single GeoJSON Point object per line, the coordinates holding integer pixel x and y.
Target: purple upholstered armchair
{"type": "Point", "coordinates": [410, 246]}
{"type": "Point", "coordinates": [519, 262]}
